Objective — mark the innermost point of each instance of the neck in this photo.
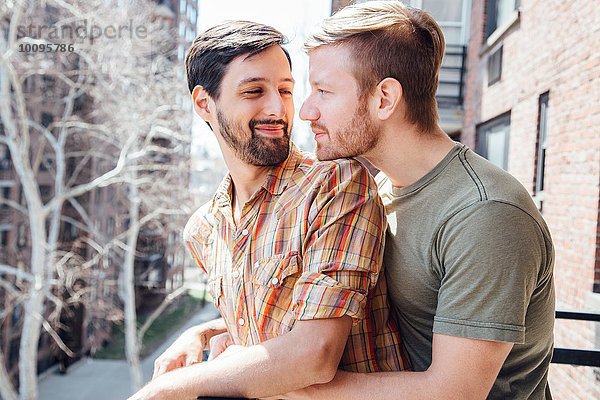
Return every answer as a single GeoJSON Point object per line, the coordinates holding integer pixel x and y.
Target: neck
{"type": "Point", "coordinates": [247, 179]}
{"type": "Point", "coordinates": [405, 155]}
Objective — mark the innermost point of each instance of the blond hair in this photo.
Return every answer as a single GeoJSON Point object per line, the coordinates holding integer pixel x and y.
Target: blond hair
{"type": "Point", "coordinates": [389, 39]}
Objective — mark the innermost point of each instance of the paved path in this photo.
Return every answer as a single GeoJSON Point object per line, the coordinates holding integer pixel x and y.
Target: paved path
{"type": "Point", "coordinates": [92, 379]}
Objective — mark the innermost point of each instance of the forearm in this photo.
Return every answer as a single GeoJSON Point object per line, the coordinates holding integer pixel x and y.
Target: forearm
{"type": "Point", "coordinates": [383, 385]}
{"type": "Point", "coordinates": [460, 369]}
{"type": "Point", "coordinates": [305, 356]}
{"type": "Point", "coordinates": [268, 369]}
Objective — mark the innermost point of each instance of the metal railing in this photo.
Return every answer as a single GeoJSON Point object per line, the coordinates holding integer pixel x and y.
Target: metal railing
{"type": "Point", "coordinates": [452, 74]}
{"type": "Point", "coordinates": [578, 357]}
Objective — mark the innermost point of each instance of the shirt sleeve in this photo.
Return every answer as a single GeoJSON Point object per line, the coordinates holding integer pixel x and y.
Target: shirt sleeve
{"type": "Point", "coordinates": [492, 259]}
{"type": "Point", "coordinates": [343, 249]}
{"type": "Point", "coordinates": [195, 237]}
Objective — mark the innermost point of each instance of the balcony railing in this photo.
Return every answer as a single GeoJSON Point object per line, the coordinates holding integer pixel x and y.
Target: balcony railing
{"type": "Point", "coordinates": [579, 357]}
{"type": "Point", "coordinates": [450, 89]}
{"type": "Point", "coordinates": [576, 357]}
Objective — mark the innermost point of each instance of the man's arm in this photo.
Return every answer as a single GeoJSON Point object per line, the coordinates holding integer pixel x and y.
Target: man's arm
{"type": "Point", "coordinates": [312, 350]}
{"type": "Point", "coordinates": [187, 349]}
{"type": "Point", "coordinates": [460, 369]}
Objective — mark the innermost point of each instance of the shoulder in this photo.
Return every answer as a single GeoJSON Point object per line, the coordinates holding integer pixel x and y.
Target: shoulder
{"type": "Point", "coordinates": [200, 223]}
{"type": "Point", "coordinates": [312, 175]}
{"type": "Point", "coordinates": [496, 228]}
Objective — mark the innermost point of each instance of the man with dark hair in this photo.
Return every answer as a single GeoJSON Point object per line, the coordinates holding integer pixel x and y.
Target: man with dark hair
{"type": "Point", "coordinates": [468, 257]}
{"type": "Point", "coordinates": [292, 246]}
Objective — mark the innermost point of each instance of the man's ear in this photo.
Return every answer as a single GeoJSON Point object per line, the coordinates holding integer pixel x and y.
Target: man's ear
{"type": "Point", "coordinates": [201, 101]}
{"type": "Point", "coordinates": [388, 95]}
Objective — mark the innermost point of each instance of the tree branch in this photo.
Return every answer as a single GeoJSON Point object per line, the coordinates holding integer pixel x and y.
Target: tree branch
{"type": "Point", "coordinates": [159, 310]}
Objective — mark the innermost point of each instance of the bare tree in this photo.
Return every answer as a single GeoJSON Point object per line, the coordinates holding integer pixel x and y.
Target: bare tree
{"type": "Point", "coordinates": [118, 123]}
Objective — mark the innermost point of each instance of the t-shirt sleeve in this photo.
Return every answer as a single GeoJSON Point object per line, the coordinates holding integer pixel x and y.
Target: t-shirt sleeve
{"type": "Point", "coordinates": [490, 257]}
{"type": "Point", "coordinates": [343, 249]}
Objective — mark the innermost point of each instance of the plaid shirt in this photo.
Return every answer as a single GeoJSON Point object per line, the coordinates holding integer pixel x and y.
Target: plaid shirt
{"type": "Point", "coordinates": [309, 245]}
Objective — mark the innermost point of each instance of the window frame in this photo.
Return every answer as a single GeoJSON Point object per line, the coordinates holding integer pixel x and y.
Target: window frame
{"type": "Point", "coordinates": [481, 147]}
{"type": "Point", "coordinates": [540, 149]}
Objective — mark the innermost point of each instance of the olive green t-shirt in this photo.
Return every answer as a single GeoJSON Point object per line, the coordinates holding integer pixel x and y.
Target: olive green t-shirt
{"type": "Point", "coordinates": [468, 254]}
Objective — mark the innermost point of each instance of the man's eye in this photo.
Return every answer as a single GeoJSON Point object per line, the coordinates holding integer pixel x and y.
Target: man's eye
{"type": "Point", "coordinates": [285, 91]}
{"type": "Point", "coordinates": [321, 91]}
{"type": "Point", "coordinates": [253, 91]}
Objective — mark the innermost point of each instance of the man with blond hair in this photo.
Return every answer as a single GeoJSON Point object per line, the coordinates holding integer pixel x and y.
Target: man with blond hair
{"type": "Point", "coordinates": [468, 257]}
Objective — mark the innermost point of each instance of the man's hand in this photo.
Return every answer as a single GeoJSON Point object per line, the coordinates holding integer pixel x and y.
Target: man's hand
{"type": "Point", "coordinates": [188, 348]}
{"type": "Point", "coordinates": [218, 344]}
{"type": "Point", "coordinates": [265, 369]}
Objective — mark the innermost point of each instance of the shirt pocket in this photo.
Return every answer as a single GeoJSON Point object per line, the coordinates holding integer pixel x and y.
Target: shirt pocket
{"type": "Point", "coordinates": [273, 282]}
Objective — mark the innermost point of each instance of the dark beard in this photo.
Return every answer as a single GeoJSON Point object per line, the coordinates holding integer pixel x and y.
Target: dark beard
{"type": "Point", "coordinates": [257, 150]}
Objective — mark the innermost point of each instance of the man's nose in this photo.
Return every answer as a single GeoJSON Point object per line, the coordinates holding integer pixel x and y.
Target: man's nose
{"type": "Point", "coordinates": [275, 105]}
{"type": "Point", "coordinates": [308, 112]}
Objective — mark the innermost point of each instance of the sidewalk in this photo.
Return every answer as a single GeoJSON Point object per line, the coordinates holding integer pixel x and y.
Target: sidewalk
{"type": "Point", "coordinates": [92, 379]}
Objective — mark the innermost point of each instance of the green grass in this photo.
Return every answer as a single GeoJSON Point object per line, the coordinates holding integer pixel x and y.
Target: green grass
{"type": "Point", "coordinates": [172, 319]}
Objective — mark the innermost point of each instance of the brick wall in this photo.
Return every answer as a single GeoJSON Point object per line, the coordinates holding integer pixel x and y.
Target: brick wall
{"type": "Point", "coordinates": [552, 47]}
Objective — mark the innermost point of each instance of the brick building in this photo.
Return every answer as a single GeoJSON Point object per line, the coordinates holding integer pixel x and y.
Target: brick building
{"type": "Point", "coordinates": [531, 105]}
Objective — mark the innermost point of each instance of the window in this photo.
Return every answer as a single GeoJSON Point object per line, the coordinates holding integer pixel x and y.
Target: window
{"type": "Point", "coordinates": [492, 140]}
{"type": "Point", "coordinates": [450, 15]}
{"type": "Point", "coordinates": [5, 192]}
{"type": "Point", "coordinates": [70, 231]}
{"type": "Point", "coordinates": [498, 13]}
{"type": "Point", "coordinates": [13, 350]}
{"type": "Point", "coordinates": [47, 119]}
{"type": "Point", "coordinates": [5, 163]}
{"type": "Point", "coordinates": [4, 230]}
{"type": "Point", "coordinates": [48, 85]}
{"type": "Point", "coordinates": [494, 66]}
{"type": "Point", "coordinates": [21, 236]}
{"type": "Point", "coordinates": [110, 226]}
{"type": "Point", "coordinates": [45, 193]}
{"type": "Point", "coordinates": [47, 163]}
{"type": "Point", "coordinates": [540, 153]}
{"type": "Point", "coordinates": [110, 193]}
{"type": "Point", "coordinates": [98, 195]}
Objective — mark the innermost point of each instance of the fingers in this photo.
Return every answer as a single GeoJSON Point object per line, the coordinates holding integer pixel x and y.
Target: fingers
{"type": "Point", "coordinates": [192, 358]}
{"type": "Point", "coordinates": [218, 344]}
{"type": "Point", "coordinates": [165, 364]}
{"type": "Point", "coordinates": [185, 351]}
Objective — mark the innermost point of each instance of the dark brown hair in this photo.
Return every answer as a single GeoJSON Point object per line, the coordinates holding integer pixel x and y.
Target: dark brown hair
{"type": "Point", "coordinates": [213, 50]}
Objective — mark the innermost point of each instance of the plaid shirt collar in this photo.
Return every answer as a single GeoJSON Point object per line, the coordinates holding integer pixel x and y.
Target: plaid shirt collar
{"type": "Point", "coordinates": [275, 182]}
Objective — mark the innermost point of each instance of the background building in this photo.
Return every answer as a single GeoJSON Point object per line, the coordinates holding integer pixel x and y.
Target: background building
{"type": "Point", "coordinates": [92, 220]}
